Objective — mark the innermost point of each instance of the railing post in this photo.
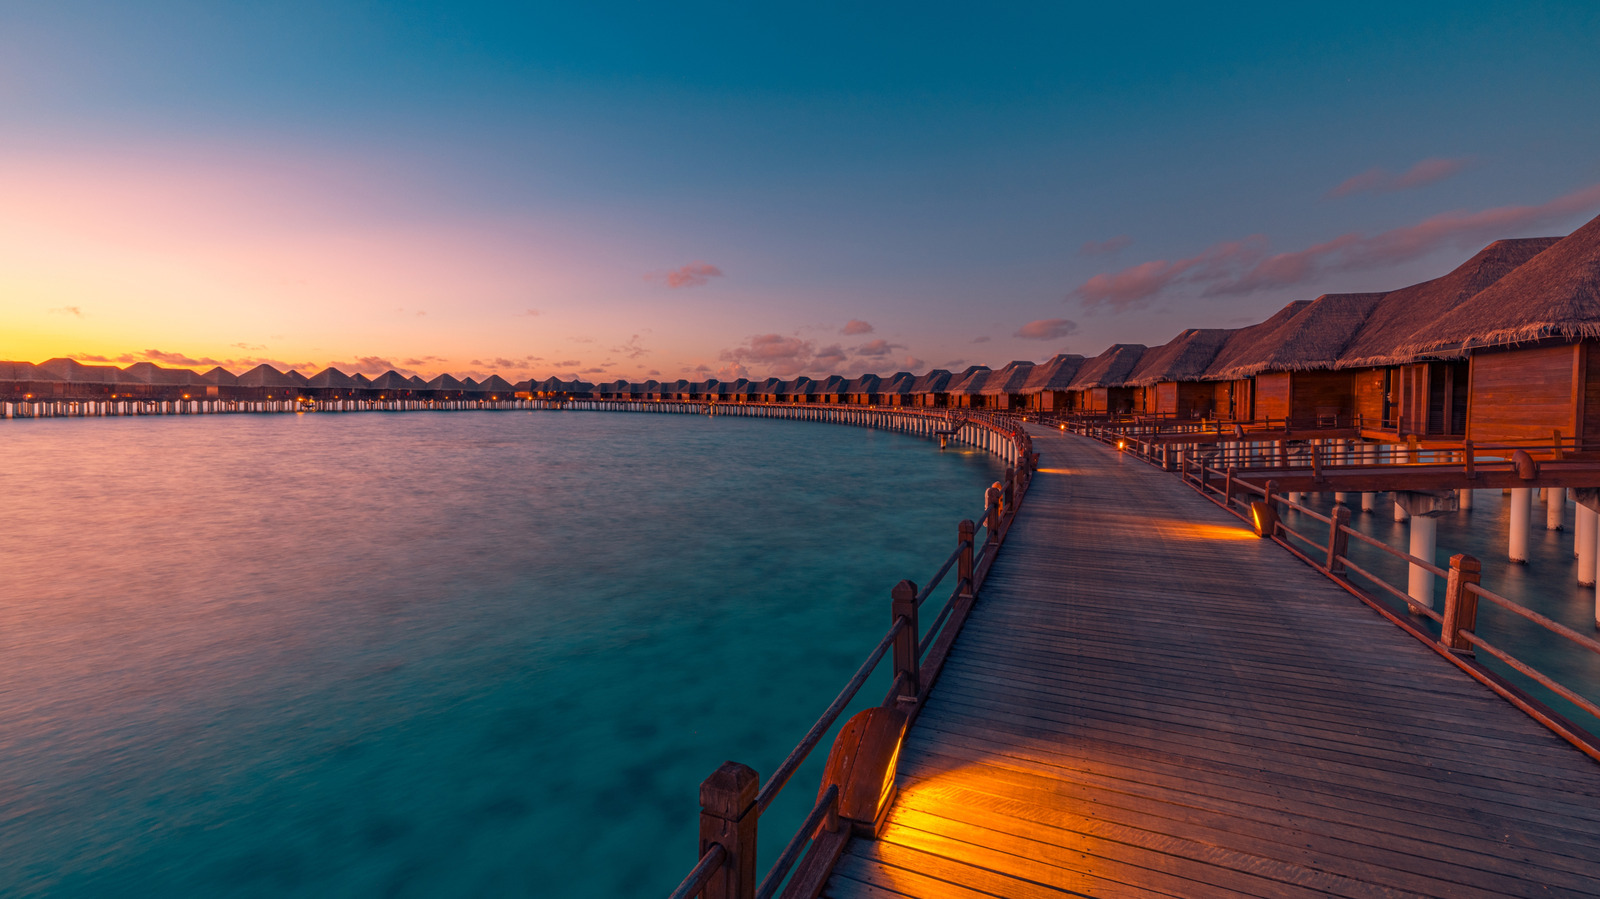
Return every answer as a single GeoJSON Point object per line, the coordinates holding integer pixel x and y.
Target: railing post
{"type": "Point", "coordinates": [1227, 489]}
{"type": "Point", "coordinates": [907, 666]}
{"type": "Point", "coordinates": [1338, 540]}
{"type": "Point", "coordinates": [1460, 604]}
{"type": "Point", "coordinates": [728, 818]}
{"type": "Point", "coordinates": [991, 514]}
{"type": "Point", "coordinates": [966, 534]}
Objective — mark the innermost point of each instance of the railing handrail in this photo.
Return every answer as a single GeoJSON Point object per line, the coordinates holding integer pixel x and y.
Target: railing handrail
{"type": "Point", "coordinates": [998, 512]}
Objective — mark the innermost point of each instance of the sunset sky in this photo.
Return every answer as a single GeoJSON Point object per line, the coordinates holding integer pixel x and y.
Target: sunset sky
{"type": "Point", "coordinates": [694, 190]}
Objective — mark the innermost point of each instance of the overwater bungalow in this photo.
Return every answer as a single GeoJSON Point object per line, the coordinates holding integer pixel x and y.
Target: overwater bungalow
{"type": "Point", "coordinates": [932, 390]}
{"type": "Point", "coordinates": [392, 385]}
{"type": "Point", "coordinates": [1167, 382]}
{"type": "Point", "coordinates": [1398, 394]}
{"type": "Point", "coordinates": [329, 384]}
{"type": "Point", "coordinates": [897, 389]}
{"type": "Point", "coordinates": [966, 388]}
{"type": "Point", "coordinates": [497, 387]}
{"type": "Point", "coordinates": [863, 391]}
{"type": "Point", "coordinates": [269, 383]}
{"type": "Point", "coordinates": [1288, 371]}
{"type": "Point", "coordinates": [1002, 390]}
{"type": "Point", "coordinates": [1101, 385]}
{"type": "Point", "coordinates": [1529, 341]}
{"type": "Point", "coordinates": [1046, 390]}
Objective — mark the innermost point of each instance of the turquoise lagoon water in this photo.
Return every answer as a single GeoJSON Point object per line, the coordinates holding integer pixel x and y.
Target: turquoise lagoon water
{"type": "Point", "coordinates": [448, 654]}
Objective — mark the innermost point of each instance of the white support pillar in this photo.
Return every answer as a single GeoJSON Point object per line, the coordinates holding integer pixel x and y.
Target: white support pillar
{"type": "Point", "coordinates": [1369, 502]}
{"type": "Point", "coordinates": [1400, 513]}
{"type": "Point", "coordinates": [1584, 540]}
{"type": "Point", "coordinates": [1521, 511]}
{"type": "Point", "coordinates": [1555, 508]}
{"type": "Point", "coordinates": [1424, 541]}
{"type": "Point", "coordinates": [1466, 499]}
{"type": "Point", "coordinates": [1424, 509]}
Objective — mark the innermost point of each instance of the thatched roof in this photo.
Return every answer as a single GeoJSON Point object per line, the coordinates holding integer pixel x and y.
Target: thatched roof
{"type": "Point", "coordinates": [864, 385]}
{"type": "Point", "coordinates": [1556, 294]}
{"type": "Point", "coordinates": [1408, 316]}
{"type": "Point", "coordinates": [331, 378]}
{"type": "Point", "coordinates": [417, 383]}
{"type": "Point", "coordinates": [935, 381]}
{"type": "Point", "coordinates": [1008, 380]}
{"type": "Point", "coordinates": [900, 383]}
{"type": "Point", "coordinates": [391, 380]}
{"type": "Point", "coordinates": [1182, 358]}
{"type": "Point", "coordinates": [1055, 373]}
{"type": "Point", "coordinates": [969, 382]}
{"type": "Point", "coordinates": [150, 373]}
{"type": "Point", "coordinates": [264, 375]}
{"type": "Point", "coordinates": [1310, 339]}
{"type": "Point", "coordinates": [221, 377]}
{"type": "Point", "coordinates": [63, 369]}
{"type": "Point", "coordinates": [447, 382]}
{"type": "Point", "coordinates": [1109, 369]}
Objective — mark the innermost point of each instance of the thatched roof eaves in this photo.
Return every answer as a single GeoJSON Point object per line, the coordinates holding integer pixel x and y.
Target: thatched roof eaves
{"type": "Point", "coordinates": [446, 382]}
{"type": "Point", "coordinates": [1408, 316]}
{"type": "Point", "coordinates": [863, 386]}
{"type": "Point", "coordinates": [1183, 358]}
{"type": "Point", "coordinates": [900, 383]}
{"type": "Point", "coordinates": [1554, 295]}
{"type": "Point", "coordinates": [497, 384]}
{"type": "Point", "coordinates": [1109, 369]}
{"type": "Point", "coordinates": [1313, 338]}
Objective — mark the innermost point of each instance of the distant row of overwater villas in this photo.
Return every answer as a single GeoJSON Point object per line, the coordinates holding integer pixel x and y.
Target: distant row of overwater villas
{"type": "Point", "coordinates": [1501, 348]}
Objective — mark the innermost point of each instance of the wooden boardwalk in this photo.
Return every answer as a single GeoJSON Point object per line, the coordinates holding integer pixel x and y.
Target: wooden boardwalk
{"type": "Point", "coordinates": [1148, 700]}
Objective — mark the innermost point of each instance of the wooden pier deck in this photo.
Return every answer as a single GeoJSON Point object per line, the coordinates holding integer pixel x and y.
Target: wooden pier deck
{"type": "Point", "coordinates": [1150, 701]}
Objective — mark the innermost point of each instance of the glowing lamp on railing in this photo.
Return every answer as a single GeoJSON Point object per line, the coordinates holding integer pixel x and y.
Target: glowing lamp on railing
{"type": "Point", "coordinates": [1264, 518]}
{"type": "Point", "coordinates": [862, 765]}
{"type": "Point", "coordinates": [1122, 444]}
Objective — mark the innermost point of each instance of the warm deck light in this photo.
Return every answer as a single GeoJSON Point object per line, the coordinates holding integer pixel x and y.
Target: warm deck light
{"type": "Point", "coordinates": [1122, 444]}
{"type": "Point", "coordinates": [862, 764]}
{"type": "Point", "coordinates": [1264, 518]}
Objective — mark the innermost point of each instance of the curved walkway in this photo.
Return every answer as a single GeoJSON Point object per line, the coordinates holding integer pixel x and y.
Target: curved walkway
{"type": "Point", "coordinates": [1149, 701]}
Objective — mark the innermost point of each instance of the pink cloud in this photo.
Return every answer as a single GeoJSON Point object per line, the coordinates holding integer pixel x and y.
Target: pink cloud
{"type": "Point", "coordinates": [856, 326]}
{"type": "Point", "coordinates": [912, 363]}
{"type": "Point", "coordinates": [1047, 329]}
{"type": "Point", "coordinates": [732, 372]}
{"type": "Point", "coordinates": [695, 274]}
{"type": "Point", "coordinates": [1107, 247]}
{"type": "Point", "coordinates": [1132, 287]}
{"type": "Point", "coordinates": [774, 353]}
{"type": "Point", "coordinates": [1381, 181]}
{"type": "Point", "coordinates": [877, 348]}
{"type": "Point", "coordinates": [1235, 268]}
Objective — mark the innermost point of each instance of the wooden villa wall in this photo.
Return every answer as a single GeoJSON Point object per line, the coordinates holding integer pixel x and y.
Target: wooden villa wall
{"type": "Point", "coordinates": [1317, 396]}
{"type": "Point", "coordinates": [1366, 387]}
{"type": "Point", "coordinates": [1523, 394]}
{"type": "Point", "coordinates": [1273, 390]}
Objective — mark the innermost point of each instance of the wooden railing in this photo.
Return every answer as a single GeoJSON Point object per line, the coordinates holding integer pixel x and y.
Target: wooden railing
{"type": "Point", "coordinates": [1458, 636]}
{"type": "Point", "coordinates": [732, 799]}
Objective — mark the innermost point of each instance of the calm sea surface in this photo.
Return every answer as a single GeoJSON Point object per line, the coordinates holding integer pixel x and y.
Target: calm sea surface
{"type": "Point", "coordinates": [448, 654]}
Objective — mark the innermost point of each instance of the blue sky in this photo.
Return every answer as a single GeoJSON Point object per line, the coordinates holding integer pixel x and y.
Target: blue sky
{"type": "Point", "coordinates": [616, 190]}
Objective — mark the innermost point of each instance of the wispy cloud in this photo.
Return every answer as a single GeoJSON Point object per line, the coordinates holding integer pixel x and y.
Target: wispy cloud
{"type": "Point", "coordinates": [631, 348]}
{"type": "Point", "coordinates": [67, 310]}
{"type": "Point", "coordinates": [984, 339]}
{"type": "Point", "coordinates": [855, 326]}
{"type": "Point", "coordinates": [1108, 247]}
{"type": "Point", "coordinates": [695, 274]}
{"type": "Point", "coordinates": [1382, 181]}
{"type": "Point", "coordinates": [1047, 329]}
{"type": "Point", "coordinates": [877, 349]}
{"type": "Point", "coordinates": [1234, 268]}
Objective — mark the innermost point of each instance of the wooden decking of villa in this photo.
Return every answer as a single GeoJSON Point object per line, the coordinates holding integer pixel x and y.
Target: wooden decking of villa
{"type": "Point", "coordinates": [1148, 699]}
